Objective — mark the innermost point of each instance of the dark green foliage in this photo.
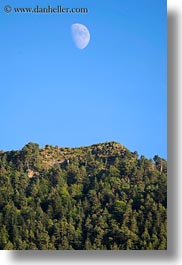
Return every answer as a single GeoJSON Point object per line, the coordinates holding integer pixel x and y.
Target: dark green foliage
{"type": "Point", "coordinates": [97, 197]}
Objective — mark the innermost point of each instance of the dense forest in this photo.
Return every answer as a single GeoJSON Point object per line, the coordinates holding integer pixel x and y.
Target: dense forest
{"type": "Point", "coordinates": [100, 197]}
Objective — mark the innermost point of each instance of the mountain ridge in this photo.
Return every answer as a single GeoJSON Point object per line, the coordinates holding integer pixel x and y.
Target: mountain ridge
{"type": "Point", "coordinates": [36, 158]}
{"type": "Point", "coordinates": [100, 197]}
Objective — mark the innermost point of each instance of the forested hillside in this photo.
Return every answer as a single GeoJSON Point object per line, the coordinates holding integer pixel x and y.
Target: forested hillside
{"type": "Point", "coordinates": [98, 197]}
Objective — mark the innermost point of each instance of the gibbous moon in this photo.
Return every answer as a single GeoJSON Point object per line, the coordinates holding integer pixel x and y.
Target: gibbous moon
{"type": "Point", "coordinates": [81, 35]}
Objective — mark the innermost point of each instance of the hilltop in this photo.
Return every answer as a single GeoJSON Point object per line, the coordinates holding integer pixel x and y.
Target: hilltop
{"type": "Point", "coordinates": [101, 196]}
{"type": "Point", "coordinates": [32, 157]}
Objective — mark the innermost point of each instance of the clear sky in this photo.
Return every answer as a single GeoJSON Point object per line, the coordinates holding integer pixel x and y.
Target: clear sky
{"type": "Point", "coordinates": [113, 90]}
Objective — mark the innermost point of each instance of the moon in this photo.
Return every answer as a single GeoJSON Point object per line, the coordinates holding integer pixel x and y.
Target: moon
{"type": "Point", "coordinates": [80, 35]}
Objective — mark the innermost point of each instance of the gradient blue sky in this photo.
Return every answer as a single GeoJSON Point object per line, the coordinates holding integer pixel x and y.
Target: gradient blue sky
{"type": "Point", "coordinates": [114, 90]}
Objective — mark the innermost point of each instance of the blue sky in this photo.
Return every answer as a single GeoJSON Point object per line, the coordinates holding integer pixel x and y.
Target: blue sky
{"type": "Point", "coordinates": [113, 90]}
